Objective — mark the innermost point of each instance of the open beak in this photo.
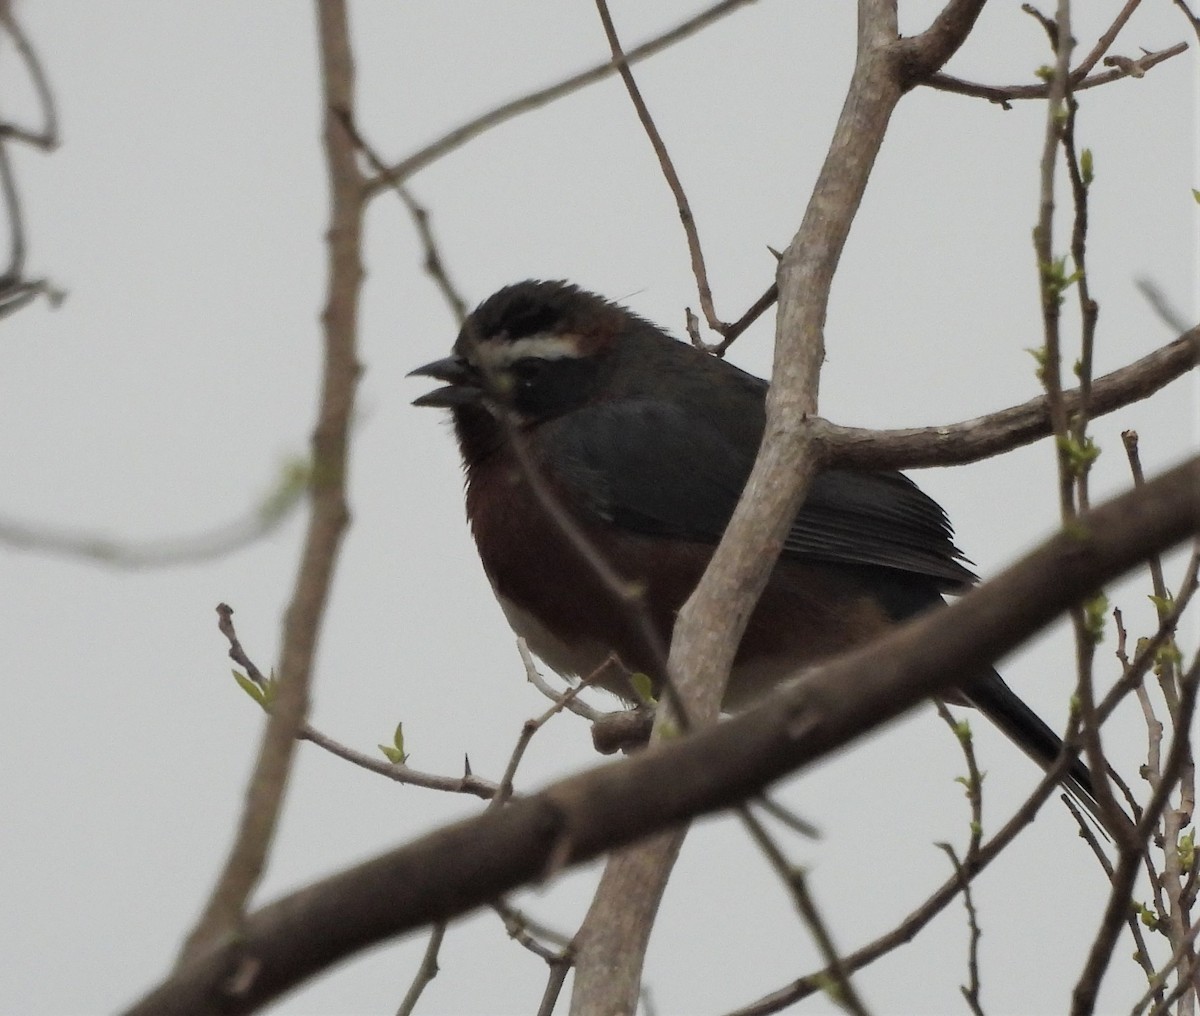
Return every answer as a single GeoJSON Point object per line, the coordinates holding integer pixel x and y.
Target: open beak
{"type": "Point", "coordinates": [462, 383]}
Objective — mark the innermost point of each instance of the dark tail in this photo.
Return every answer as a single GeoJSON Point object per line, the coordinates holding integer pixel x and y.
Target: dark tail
{"type": "Point", "coordinates": [992, 697]}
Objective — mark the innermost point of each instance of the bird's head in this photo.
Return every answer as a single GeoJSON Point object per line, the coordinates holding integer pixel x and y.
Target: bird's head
{"type": "Point", "coordinates": [532, 351]}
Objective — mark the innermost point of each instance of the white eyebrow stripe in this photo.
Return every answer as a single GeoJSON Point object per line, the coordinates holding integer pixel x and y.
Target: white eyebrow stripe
{"type": "Point", "coordinates": [496, 355]}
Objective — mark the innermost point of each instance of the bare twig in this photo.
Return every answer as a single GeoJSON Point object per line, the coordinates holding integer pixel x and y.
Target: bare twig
{"type": "Point", "coordinates": [15, 291]}
{"type": "Point", "coordinates": [732, 331]}
{"type": "Point", "coordinates": [573, 704]}
{"type": "Point", "coordinates": [904, 932]}
{"type": "Point", "coordinates": [532, 726]}
{"type": "Point", "coordinates": [16, 225]}
{"type": "Point", "coordinates": [535, 100]}
{"type": "Point", "coordinates": [468, 783]}
{"type": "Point", "coordinates": [1072, 451]}
{"type": "Point", "coordinates": [1106, 39]}
{"type": "Point", "coordinates": [787, 817]}
{"type": "Point", "coordinates": [1086, 988]}
{"type": "Point", "coordinates": [554, 985]}
{"type": "Point", "coordinates": [1005, 94]}
{"type": "Point", "coordinates": [435, 264]}
{"type": "Point", "coordinates": [970, 990]}
{"type": "Point", "coordinates": [1188, 13]}
{"type": "Point", "coordinates": [1148, 649]}
{"type": "Point", "coordinates": [524, 930]}
{"type": "Point", "coordinates": [1141, 953]}
{"type": "Point", "coordinates": [688, 220]}
{"type": "Point", "coordinates": [260, 521]}
{"type": "Point", "coordinates": [469, 863]}
{"type": "Point", "coordinates": [973, 784]}
{"type": "Point", "coordinates": [710, 624]}
{"type": "Point", "coordinates": [1168, 677]}
{"type": "Point", "coordinates": [839, 987]}
{"type": "Point", "coordinates": [1182, 954]}
{"type": "Point", "coordinates": [426, 972]}
{"type": "Point", "coordinates": [47, 137]}
{"type": "Point", "coordinates": [972, 440]}
{"type": "Point", "coordinates": [1089, 310]}
{"type": "Point", "coordinates": [1167, 312]}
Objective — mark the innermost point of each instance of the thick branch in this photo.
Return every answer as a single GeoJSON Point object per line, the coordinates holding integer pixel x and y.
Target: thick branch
{"type": "Point", "coordinates": [611, 943]}
{"type": "Point", "coordinates": [462, 866]}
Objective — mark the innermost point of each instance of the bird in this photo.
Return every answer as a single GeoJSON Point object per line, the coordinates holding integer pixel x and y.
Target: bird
{"type": "Point", "coordinates": [581, 423]}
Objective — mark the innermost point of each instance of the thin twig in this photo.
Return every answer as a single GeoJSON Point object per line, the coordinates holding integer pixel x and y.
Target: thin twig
{"type": "Point", "coordinates": [1071, 454]}
{"type": "Point", "coordinates": [918, 918]}
{"type": "Point", "coordinates": [1141, 952]}
{"type": "Point", "coordinates": [1106, 40]}
{"type": "Point", "coordinates": [426, 972]}
{"type": "Point", "coordinates": [435, 264]}
{"type": "Point", "coordinates": [688, 220]}
{"type": "Point", "coordinates": [468, 783]}
{"type": "Point", "coordinates": [1168, 677]}
{"type": "Point", "coordinates": [1006, 429]}
{"type": "Point", "coordinates": [1148, 649]}
{"type": "Point", "coordinates": [1086, 988]}
{"type": "Point", "coordinates": [526, 930]}
{"type": "Point", "coordinates": [1089, 309]}
{"type": "Point", "coordinates": [460, 135]}
{"type": "Point", "coordinates": [840, 989]}
{"type": "Point", "coordinates": [970, 990]}
{"type": "Point", "coordinates": [732, 331]}
{"type": "Point", "coordinates": [258, 522]}
{"type": "Point", "coordinates": [16, 223]}
{"type": "Point", "coordinates": [973, 784]}
{"type": "Point", "coordinates": [1161, 304]}
{"type": "Point", "coordinates": [1183, 952]}
{"type": "Point", "coordinates": [574, 704]}
{"type": "Point", "coordinates": [47, 137]}
{"type": "Point", "coordinates": [554, 985]}
{"type": "Point", "coordinates": [1193, 20]}
{"type": "Point", "coordinates": [1005, 94]}
{"type": "Point", "coordinates": [788, 817]}
{"type": "Point", "coordinates": [532, 726]}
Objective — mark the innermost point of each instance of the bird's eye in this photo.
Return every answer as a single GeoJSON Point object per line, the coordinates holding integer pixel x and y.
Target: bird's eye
{"type": "Point", "coordinates": [528, 370]}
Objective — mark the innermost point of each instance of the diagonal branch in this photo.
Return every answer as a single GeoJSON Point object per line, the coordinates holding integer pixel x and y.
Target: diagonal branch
{"type": "Point", "coordinates": [695, 251]}
{"type": "Point", "coordinates": [458, 137]}
{"type": "Point", "coordinates": [462, 866]}
{"type": "Point", "coordinates": [1002, 431]}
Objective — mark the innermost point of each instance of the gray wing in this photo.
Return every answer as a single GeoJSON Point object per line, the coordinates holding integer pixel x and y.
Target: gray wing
{"type": "Point", "coordinates": [659, 469]}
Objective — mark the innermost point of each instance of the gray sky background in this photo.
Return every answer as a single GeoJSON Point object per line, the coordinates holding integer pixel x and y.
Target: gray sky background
{"type": "Point", "coordinates": [185, 214]}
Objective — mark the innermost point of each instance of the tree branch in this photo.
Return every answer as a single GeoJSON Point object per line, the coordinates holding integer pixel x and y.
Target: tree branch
{"type": "Point", "coordinates": [462, 866]}
{"type": "Point", "coordinates": [1004, 94]}
{"type": "Point", "coordinates": [611, 944]}
{"type": "Point", "coordinates": [984, 436]}
{"type": "Point", "coordinates": [458, 137]}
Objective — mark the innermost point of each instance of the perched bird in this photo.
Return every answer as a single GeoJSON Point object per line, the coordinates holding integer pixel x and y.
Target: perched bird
{"type": "Point", "coordinates": [646, 442]}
